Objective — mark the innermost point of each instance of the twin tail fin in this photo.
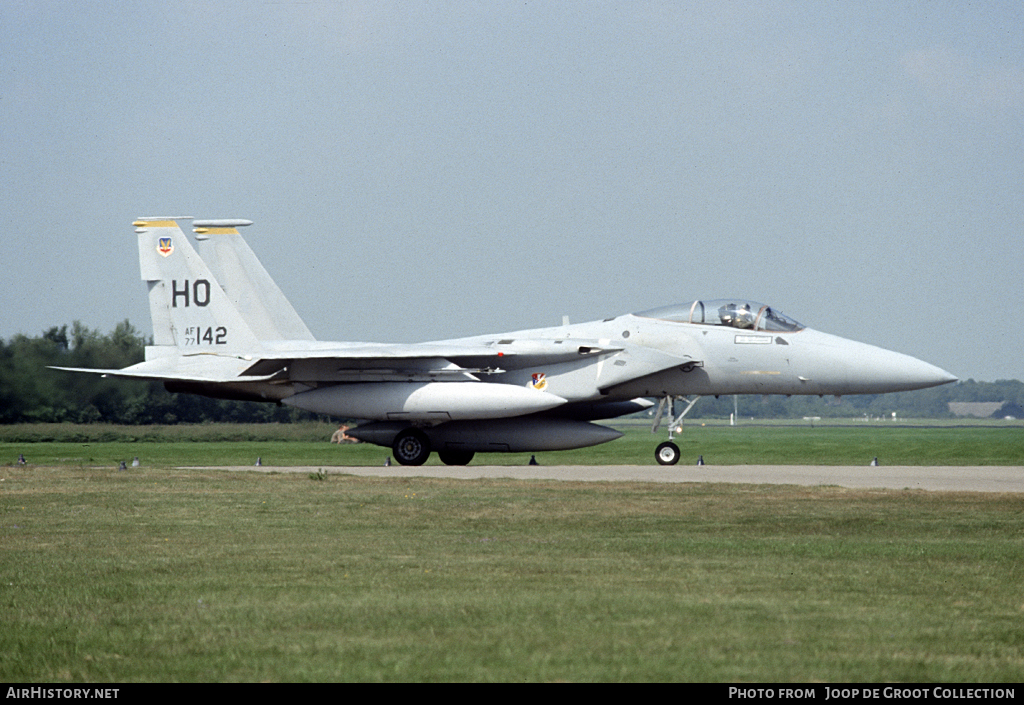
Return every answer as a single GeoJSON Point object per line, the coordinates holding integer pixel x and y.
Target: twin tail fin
{"type": "Point", "coordinates": [191, 312]}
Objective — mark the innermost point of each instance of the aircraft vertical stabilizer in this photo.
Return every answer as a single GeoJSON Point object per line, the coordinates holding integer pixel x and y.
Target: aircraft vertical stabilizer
{"type": "Point", "coordinates": [189, 308]}
{"type": "Point", "coordinates": [246, 282]}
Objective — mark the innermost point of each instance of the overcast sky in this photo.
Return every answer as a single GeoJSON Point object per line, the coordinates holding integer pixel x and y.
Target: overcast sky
{"type": "Point", "coordinates": [426, 170]}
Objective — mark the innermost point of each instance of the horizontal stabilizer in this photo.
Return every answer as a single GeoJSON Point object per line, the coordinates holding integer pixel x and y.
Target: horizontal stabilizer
{"type": "Point", "coordinates": [195, 368]}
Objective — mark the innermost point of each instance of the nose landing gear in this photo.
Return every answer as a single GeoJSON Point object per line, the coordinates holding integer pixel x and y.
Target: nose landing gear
{"type": "Point", "coordinates": [668, 452]}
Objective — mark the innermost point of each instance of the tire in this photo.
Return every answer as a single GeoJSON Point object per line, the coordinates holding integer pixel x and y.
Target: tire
{"type": "Point", "coordinates": [411, 447]}
{"type": "Point", "coordinates": [451, 456]}
{"type": "Point", "coordinates": [667, 453]}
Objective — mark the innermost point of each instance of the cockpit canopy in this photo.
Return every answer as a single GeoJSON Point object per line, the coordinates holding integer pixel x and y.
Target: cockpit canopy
{"type": "Point", "coordinates": [734, 313]}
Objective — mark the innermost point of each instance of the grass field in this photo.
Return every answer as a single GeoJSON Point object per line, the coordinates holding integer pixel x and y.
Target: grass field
{"type": "Point", "coordinates": [161, 574]}
{"type": "Point", "coordinates": [719, 444]}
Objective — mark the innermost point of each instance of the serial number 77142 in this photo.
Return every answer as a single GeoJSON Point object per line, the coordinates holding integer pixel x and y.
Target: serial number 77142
{"type": "Point", "coordinates": [209, 336]}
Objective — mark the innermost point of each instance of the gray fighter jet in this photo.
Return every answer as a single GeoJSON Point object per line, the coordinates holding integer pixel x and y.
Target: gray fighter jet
{"type": "Point", "coordinates": [222, 328]}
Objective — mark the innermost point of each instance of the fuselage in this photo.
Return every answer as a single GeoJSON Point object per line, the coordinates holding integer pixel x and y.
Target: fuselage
{"type": "Point", "coordinates": [580, 371]}
{"type": "Point", "coordinates": [710, 358]}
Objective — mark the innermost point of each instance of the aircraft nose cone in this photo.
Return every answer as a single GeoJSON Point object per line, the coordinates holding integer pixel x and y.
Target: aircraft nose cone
{"type": "Point", "coordinates": [858, 368]}
{"type": "Point", "coordinates": [919, 374]}
{"type": "Point", "coordinates": [898, 372]}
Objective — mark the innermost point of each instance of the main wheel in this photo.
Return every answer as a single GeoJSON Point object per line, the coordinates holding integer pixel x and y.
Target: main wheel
{"type": "Point", "coordinates": [411, 447]}
{"type": "Point", "coordinates": [667, 453]}
{"type": "Point", "coordinates": [450, 456]}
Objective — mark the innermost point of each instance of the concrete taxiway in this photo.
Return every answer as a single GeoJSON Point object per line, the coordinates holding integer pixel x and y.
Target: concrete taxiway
{"type": "Point", "coordinates": [933, 478]}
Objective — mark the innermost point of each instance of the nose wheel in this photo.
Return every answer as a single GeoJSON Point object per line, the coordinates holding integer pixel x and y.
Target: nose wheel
{"type": "Point", "coordinates": [667, 453]}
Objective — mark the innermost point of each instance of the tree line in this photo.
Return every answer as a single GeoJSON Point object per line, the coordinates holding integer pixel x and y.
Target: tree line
{"type": "Point", "coordinates": [31, 392]}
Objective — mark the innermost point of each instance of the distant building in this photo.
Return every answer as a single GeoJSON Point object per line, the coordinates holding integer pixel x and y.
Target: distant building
{"type": "Point", "coordinates": [1011, 411]}
{"type": "Point", "coordinates": [977, 409]}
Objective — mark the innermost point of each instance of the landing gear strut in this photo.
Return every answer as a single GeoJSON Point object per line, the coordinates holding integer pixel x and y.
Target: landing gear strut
{"type": "Point", "coordinates": [668, 452]}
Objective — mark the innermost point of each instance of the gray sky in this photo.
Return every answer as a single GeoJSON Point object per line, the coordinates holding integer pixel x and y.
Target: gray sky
{"type": "Point", "coordinates": [425, 170]}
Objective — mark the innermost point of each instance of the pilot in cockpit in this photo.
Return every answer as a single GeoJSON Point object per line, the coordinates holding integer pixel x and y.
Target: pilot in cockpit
{"type": "Point", "coordinates": [736, 316]}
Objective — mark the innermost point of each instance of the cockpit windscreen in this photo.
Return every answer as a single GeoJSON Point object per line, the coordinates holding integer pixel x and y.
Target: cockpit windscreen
{"type": "Point", "coordinates": [734, 313]}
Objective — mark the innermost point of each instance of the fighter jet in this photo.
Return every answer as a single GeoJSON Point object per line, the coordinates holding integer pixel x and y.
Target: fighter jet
{"type": "Point", "coordinates": [223, 329]}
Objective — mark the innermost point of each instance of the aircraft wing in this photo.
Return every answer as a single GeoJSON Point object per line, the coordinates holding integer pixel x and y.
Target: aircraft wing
{"type": "Point", "coordinates": [411, 362]}
{"type": "Point", "coordinates": [356, 362]}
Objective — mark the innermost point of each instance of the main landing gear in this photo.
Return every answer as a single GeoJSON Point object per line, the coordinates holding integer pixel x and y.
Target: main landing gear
{"type": "Point", "coordinates": [412, 447]}
{"type": "Point", "coordinates": [668, 452]}
{"type": "Point", "coordinates": [455, 457]}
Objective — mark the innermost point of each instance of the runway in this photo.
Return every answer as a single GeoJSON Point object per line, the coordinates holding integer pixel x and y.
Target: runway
{"type": "Point", "coordinates": [932, 478]}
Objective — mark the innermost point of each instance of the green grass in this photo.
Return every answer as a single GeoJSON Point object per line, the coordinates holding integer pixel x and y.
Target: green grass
{"type": "Point", "coordinates": [825, 445]}
{"type": "Point", "coordinates": [170, 575]}
{"type": "Point", "coordinates": [306, 444]}
{"type": "Point", "coordinates": [213, 432]}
